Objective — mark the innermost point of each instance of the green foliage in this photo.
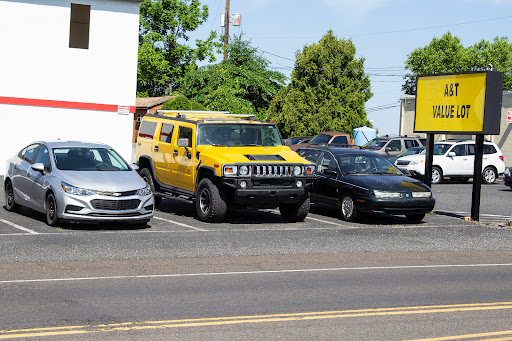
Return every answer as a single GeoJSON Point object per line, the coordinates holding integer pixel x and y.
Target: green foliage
{"type": "Point", "coordinates": [328, 91]}
{"type": "Point", "coordinates": [181, 102]}
{"type": "Point", "coordinates": [163, 54]}
{"type": "Point", "coordinates": [242, 85]}
{"type": "Point", "coordinates": [448, 55]}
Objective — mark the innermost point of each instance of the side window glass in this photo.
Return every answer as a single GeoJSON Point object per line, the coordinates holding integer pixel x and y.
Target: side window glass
{"type": "Point", "coordinates": [166, 133]}
{"type": "Point", "coordinates": [394, 145]}
{"type": "Point", "coordinates": [410, 144]}
{"type": "Point", "coordinates": [459, 150]}
{"type": "Point", "coordinates": [471, 149]}
{"type": "Point", "coordinates": [489, 149]}
{"type": "Point", "coordinates": [423, 141]}
{"type": "Point", "coordinates": [43, 157]}
{"type": "Point", "coordinates": [340, 140]}
{"type": "Point", "coordinates": [327, 163]}
{"type": "Point", "coordinates": [186, 132]}
{"type": "Point", "coordinates": [28, 153]}
{"type": "Point", "coordinates": [147, 129]}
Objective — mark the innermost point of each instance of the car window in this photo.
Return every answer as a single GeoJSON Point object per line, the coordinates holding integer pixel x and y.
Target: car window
{"type": "Point", "coordinates": [43, 156]}
{"type": "Point", "coordinates": [166, 133]}
{"type": "Point", "coordinates": [423, 141]}
{"type": "Point", "coordinates": [28, 153]}
{"type": "Point", "coordinates": [88, 159]}
{"type": "Point", "coordinates": [327, 163]}
{"type": "Point", "coordinates": [410, 143]}
{"type": "Point", "coordinates": [312, 156]}
{"type": "Point", "coordinates": [459, 150]}
{"type": "Point", "coordinates": [441, 148]}
{"type": "Point", "coordinates": [366, 164]}
{"type": "Point", "coordinates": [320, 139]}
{"type": "Point", "coordinates": [186, 132]}
{"type": "Point", "coordinates": [376, 143]}
{"type": "Point", "coordinates": [489, 149]}
{"type": "Point", "coordinates": [147, 129]}
{"type": "Point", "coordinates": [394, 145]}
{"type": "Point", "coordinates": [340, 140]}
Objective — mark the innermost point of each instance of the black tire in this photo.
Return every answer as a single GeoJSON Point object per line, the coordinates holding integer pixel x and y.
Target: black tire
{"type": "Point", "coordinates": [146, 175]}
{"type": "Point", "coordinates": [10, 203]}
{"type": "Point", "coordinates": [462, 180]}
{"type": "Point", "coordinates": [211, 201]}
{"type": "Point", "coordinates": [348, 208]}
{"type": "Point", "coordinates": [52, 218]}
{"type": "Point", "coordinates": [415, 218]}
{"type": "Point", "coordinates": [437, 175]}
{"type": "Point", "coordinates": [489, 175]}
{"type": "Point", "coordinates": [295, 212]}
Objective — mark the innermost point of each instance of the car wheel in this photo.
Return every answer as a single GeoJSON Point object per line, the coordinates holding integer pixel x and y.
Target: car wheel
{"type": "Point", "coordinates": [295, 212]}
{"type": "Point", "coordinates": [10, 204]}
{"type": "Point", "coordinates": [437, 175]}
{"type": "Point", "coordinates": [489, 175]}
{"type": "Point", "coordinates": [52, 218]}
{"type": "Point", "coordinates": [146, 175]}
{"type": "Point", "coordinates": [415, 218]}
{"type": "Point", "coordinates": [348, 208]}
{"type": "Point", "coordinates": [211, 201]}
{"type": "Point", "coordinates": [462, 180]}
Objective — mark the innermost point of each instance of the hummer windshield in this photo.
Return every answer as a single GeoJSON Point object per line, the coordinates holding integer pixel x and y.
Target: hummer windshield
{"type": "Point", "coordinates": [238, 135]}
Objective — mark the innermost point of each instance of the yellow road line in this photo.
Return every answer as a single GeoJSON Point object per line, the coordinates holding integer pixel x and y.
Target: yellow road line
{"type": "Point", "coordinates": [68, 330]}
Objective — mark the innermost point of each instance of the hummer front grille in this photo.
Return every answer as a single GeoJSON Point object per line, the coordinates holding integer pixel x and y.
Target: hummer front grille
{"type": "Point", "coordinates": [272, 170]}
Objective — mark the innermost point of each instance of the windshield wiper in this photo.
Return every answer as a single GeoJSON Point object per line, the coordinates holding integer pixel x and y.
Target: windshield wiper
{"type": "Point", "coordinates": [252, 145]}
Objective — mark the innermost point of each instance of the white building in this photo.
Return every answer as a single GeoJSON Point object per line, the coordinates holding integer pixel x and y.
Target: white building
{"type": "Point", "coordinates": [68, 70]}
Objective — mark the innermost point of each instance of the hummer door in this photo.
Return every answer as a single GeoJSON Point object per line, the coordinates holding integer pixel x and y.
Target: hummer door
{"type": "Point", "coordinates": [163, 154]}
{"type": "Point", "coordinates": [183, 173]}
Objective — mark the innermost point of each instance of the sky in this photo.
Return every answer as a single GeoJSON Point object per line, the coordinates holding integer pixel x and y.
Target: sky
{"type": "Point", "coordinates": [384, 32]}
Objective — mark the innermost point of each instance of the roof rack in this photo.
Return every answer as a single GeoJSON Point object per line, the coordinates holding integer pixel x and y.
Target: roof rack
{"type": "Point", "coordinates": [184, 113]}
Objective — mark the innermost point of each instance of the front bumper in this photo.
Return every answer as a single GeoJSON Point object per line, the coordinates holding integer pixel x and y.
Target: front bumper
{"type": "Point", "coordinates": [100, 208]}
{"type": "Point", "coordinates": [395, 206]}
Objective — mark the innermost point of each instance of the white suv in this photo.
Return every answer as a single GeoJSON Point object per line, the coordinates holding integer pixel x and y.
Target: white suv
{"type": "Point", "coordinates": [455, 159]}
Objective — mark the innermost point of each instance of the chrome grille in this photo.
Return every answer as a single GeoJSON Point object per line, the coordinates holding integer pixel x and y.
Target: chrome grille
{"type": "Point", "coordinates": [115, 205]}
{"type": "Point", "coordinates": [402, 163]}
{"type": "Point", "coordinates": [116, 194]}
{"type": "Point", "coordinates": [272, 170]}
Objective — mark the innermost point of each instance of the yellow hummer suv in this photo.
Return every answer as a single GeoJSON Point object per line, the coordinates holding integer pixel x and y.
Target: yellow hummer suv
{"type": "Point", "coordinates": [222, 160]}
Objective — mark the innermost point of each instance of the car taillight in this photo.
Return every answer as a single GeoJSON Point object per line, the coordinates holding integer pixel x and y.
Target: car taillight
{"type": "Point", "coordinates": [501, 157]}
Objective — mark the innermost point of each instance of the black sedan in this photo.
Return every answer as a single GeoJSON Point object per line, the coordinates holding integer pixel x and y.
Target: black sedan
{"type": "Point", "coordinates": [508, 177]}
{"type": "Point", "coordinates": [360, 181]}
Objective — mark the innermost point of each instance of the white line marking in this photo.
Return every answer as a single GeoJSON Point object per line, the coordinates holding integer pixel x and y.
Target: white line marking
{"type": "Point", "coordinates": [330, 222]}
{"type": "Point", "coordinates": [481, 214]}
{"type": "Point", "coordinates": [181, 224]}
{"type": "Point", "coordinates": [401, 267]}
{"type": "Point", "coordinates": [18, 226]}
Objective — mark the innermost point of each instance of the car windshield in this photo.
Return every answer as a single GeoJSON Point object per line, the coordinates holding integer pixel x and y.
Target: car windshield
{"type": "Point", "coordinates": [238, 135]}
{"type": "Point", "coordinates": [441, 148]}
{"type": "Point", "coordinates": [366, 164]}
{"type": "Point", "coordinates": [88, 159]}
{"type": "Point", "coordinates": [411, 151]}
{"type": "Point", "coordinates": [376, 143]}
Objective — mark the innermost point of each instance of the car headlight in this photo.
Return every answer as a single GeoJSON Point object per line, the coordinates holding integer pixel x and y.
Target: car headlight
{"type": "Point", "coordinates": [507, 171]}
{"type": "Point", "coordinates": [297, 170]}
{"type": "Point", "coordinates": [416, 162]}
{"type": "Point", "coordinates": [144, 191]}
{"type": "Point", "coordinates": [386, 195]}
{"type": "Point", "coordinates": [421, 194]}
{"type": "Point", "coordinates": [230, 170]}
{"type": "Point", "coordinates": [75, 190]}
{"type": "Point", "coordinates": [244, 170]}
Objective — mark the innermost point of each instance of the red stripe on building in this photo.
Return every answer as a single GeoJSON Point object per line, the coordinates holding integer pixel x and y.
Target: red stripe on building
{"type": "Point", "coordinates": [61, 104]}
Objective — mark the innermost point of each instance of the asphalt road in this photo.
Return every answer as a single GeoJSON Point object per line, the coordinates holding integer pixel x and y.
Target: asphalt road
{"type": "Point", "coordinates": [257, 277]}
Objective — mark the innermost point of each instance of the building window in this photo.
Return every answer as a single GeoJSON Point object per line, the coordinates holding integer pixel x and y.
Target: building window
{"type": "Point", "coordinates": [79, 26]}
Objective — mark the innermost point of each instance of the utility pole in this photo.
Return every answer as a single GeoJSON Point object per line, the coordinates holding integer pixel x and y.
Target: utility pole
{"type": "Point", "coordinates": [226, 31]}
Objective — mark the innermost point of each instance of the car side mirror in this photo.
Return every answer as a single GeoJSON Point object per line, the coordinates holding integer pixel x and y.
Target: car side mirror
{"type": "Point", "coordinates": [452, 154]}
{"type": "Point", "coordinates": [183, 142]}
{"type": "Point", "coordinates": [134, 167]}
{"type": "Point", "coordinates": [38, 167]}
{"type": "Point", "coordinates": [387, 149]}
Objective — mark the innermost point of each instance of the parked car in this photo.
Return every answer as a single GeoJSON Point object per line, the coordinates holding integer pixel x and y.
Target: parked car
{"type": "Point", "coordinates": [76, 181]}
{"type": "Point", "coordinates": [325, 139]}
{"type": "Point", "coordinates": [508, 177]}
{"type": "Point", "coordinates": [392, 146]}
{"type": "Point", "coordinates": [455, 159]}
{"type": "Point", "coordinates": [296, 140]}
{"type": "Point", "coordinates": [407, 152]}
{"type": "Point", "coordinates": [360, 181]}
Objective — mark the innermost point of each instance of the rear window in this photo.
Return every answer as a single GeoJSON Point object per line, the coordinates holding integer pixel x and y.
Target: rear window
{"type": "Point", "coordinates": [147, 129]}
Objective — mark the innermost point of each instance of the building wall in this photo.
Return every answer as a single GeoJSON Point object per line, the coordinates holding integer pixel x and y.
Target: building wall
{"type": "Point", "coordinates": [49, 90]}
{"type": "Point", "coordinates": [504, 140]}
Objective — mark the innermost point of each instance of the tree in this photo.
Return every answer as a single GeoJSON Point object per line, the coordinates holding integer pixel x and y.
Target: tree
{"type": "Point", "coordinates": [163, 54]}
{"type": "Point", "coordinates": [181, 102]}
{"type": "Point", "coordinates": [328, 90]}
{"type": "Point", "coordinates": [242, 85]}
{"type": "Point", "coordinates": [448, 55]}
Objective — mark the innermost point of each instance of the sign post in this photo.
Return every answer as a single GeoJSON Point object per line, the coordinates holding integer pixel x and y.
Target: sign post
{"type": "Point", "coordinates": [466, 103]}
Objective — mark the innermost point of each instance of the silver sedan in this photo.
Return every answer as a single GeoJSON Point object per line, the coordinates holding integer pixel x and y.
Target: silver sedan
{"type": "Point", "coordinates": [76, 181]}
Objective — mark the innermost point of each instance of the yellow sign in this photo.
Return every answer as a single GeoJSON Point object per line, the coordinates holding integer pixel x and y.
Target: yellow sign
{"type": "Point", "coordinates": [450, 103]}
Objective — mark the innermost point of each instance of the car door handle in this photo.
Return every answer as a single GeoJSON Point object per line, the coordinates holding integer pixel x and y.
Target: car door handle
{"type": "Point", "coordinates": [175, 152]}
{"type": "Point", "coordinates": [155, 149]}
